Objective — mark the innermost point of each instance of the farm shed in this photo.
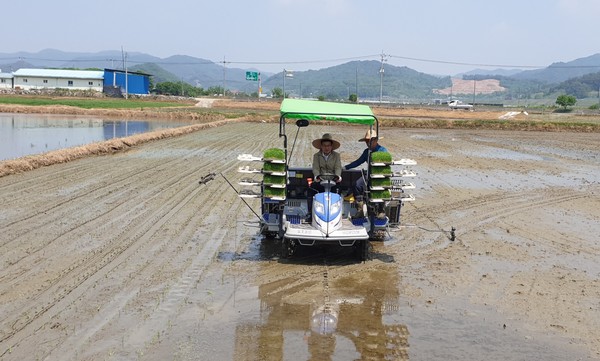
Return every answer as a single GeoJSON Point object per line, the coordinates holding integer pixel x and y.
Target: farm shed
{"type": "Point", "coordinates": [58, 78]}
{"type": "Point", "coordinates": [137, 83]}
{"type": "Point", "coordinates": [6, 80]}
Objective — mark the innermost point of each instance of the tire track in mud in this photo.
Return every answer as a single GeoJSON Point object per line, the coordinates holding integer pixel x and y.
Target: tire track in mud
{"type": "Point", "coordinates": [97, 223]}
{"type": "Point", "coordinates": [497, 206]}
{"type": "Point", "coordinates": [183, 241]}
{"type": "Point", "coordinates": [479, 211]}
{"type": "Point", "coordinates": [72, 278]}
{"type": "Point", "coordinates": [102, 258]}
{"type": "Point", "coordinates": [155, 320]}
{"type": "Point", "coordinates": [121, 181]}
{"type": "Point", "coordinates": [103, 261]}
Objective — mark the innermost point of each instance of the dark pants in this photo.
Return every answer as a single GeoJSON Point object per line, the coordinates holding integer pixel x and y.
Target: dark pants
{"type": "Point", "coordinates": [359, 188]}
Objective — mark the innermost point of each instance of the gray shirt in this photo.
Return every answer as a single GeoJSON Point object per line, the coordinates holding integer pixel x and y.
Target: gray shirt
{"type": "Point", "coordinates": [331, 165]}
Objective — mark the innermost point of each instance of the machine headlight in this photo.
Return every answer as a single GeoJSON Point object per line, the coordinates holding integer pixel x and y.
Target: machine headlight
{"type": "Point", "coordinates": [319, 208]}
{"type": "Point", "coordinates": [336, 207]}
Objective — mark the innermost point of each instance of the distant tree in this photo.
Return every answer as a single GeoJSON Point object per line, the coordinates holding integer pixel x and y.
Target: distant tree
{"type": "Point", "coordinates": [566, 100]}
{"type": "Point", "coordinates": [214, 90]}
{"type": "Point", "coordinates": [177, 88]}
{"type": "Point", "coordinates": [353, 98]}
{"type": "Point", "coordinates": [321, 97]}
{"type": "Point", "coordinates": [277, 92]}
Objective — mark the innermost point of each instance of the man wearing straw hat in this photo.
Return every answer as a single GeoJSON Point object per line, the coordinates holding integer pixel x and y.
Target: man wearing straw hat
{"type": "Point", "coordinates": [371, 141]}
{"type": "Point", "coordinates": [325, 161]}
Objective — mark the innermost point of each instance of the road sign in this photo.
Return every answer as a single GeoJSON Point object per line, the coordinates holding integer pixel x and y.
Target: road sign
{"type": "Point", "coordinates": [252, 75]}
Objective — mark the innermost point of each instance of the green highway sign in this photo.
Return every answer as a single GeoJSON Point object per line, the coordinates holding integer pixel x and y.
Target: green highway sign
{"type": "Point", "coordinates": [252, 75]}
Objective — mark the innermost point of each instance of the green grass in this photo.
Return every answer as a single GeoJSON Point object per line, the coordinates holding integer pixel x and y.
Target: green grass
{"type": "Point", "coordinates": [103, 103]}
{"type": "Point", "coordinates": [546, 122]}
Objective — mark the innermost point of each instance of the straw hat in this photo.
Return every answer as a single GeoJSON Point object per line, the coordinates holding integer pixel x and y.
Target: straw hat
{"type": "Point", "coordinates": [317, 142]}
{"type": "Point", "coordinates": [370, 134]}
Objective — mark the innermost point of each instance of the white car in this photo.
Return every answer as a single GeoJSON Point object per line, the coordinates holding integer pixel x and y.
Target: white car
{"type": "Point", "coordinates": [457, 104]}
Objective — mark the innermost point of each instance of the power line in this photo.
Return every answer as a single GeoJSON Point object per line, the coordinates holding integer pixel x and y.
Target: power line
{"type": "Point", "coordinates": [494, 65]}
{"type": "Point", "coordinates": [316, 61]}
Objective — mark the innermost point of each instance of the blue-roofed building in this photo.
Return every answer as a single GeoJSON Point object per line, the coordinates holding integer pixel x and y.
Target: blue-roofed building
{"type": "Point", "coordinates": [58, 78]}
{"type": "Point", "coordinates": [137, 83]}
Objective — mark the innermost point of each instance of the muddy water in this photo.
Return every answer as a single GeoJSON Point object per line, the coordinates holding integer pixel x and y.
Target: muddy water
{"type": "Point", "coordinates": [26, 134]}
{"type": "Point", "coordinates": [129, 257]}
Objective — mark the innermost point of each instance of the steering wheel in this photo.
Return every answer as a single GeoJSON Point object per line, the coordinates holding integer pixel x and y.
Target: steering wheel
{"type": "Point", "coordinates": [328, 177]}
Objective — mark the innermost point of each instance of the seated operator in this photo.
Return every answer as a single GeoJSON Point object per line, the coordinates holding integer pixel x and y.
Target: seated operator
{"type": "Point", "coordinates": [325, 161]}
{"type": "Point", "coordinates": [372, 144]}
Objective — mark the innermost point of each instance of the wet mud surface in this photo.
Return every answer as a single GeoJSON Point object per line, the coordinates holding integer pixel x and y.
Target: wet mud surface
{"type": "Point", "coordinates": [128, 257]}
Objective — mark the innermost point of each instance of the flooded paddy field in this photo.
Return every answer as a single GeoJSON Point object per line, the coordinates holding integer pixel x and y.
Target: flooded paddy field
{"type": "Point", "coordinates": [26, 134]}
{"type": "Point", "coordinates": [128, 257]}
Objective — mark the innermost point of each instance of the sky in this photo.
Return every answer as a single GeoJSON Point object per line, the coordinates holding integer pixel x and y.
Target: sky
{"type": "Point", "coordinates": [432, 36]}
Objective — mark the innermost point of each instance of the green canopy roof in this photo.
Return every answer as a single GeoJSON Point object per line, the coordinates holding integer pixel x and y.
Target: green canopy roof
{"type": "Point", "coordinates": [317, 110]}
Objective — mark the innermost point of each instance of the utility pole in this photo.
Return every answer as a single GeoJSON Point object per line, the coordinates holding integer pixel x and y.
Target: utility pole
{"type": "Point", "coordinates": [356, 84]}
{"type": "Point", "coordinates": [383, 59]}
{"type": "Point", "coordinates": [259, 87]}
{"type": "Point", "coordinates": [124, 55]}
{"type": "Point", "coordinates": [224, 62]}
{"type": "Point", "coordinates": [286, 74]}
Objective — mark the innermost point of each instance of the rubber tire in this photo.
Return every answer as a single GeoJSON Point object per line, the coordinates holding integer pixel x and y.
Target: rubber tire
{"type": "Point", "coordinates": [286, 251]}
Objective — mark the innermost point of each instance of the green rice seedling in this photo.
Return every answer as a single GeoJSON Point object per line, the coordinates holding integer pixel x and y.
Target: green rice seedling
{"type": "Point", "coordinates": [381, 194]}
{"type": "Point", "coordinates": [274, 154]}
{"type": "Point", "coordinates": [274, 179]}
{"type": "Point", "coordinates": [381, 170]}
{"type": "Point", "coordinates": [381, 157]}
{"type": "Point", "coordinates": [274, 192]}
{"type": "Point", "coordinates": [274, 167]}
{"type": "Point", "coordinates": [381, 182]}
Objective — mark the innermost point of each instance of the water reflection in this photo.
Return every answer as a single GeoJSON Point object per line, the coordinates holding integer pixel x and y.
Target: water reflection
{"type": "Point", "coordinates": [343, 319]}
{"type": "Point", "coordinates": [27, 134]}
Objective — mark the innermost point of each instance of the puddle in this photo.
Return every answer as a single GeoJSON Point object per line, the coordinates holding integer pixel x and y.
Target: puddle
{"type": "Point", "coordinates": [360, 316]}
{"type": "Point", "coordinates": [27, 134]}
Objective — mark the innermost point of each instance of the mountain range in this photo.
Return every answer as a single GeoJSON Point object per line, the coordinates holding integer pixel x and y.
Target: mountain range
{"type": "Point", "coordinates": [356, 77]}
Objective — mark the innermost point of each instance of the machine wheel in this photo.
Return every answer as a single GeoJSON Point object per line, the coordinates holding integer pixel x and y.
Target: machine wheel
{"type": "Point", "coordinates": [288, 246]}
{"type": "Point", "coordinates": [361, 250]}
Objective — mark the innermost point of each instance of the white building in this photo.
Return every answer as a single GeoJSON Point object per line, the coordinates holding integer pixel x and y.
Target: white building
{"type": "Point", "coordinates": [6, 80]}
{"type": "Point", "coordinates": [58, 78]}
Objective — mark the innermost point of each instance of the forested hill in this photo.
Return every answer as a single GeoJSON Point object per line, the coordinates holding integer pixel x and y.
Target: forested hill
{"type": "Point", "coordinates": [362, 78]}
